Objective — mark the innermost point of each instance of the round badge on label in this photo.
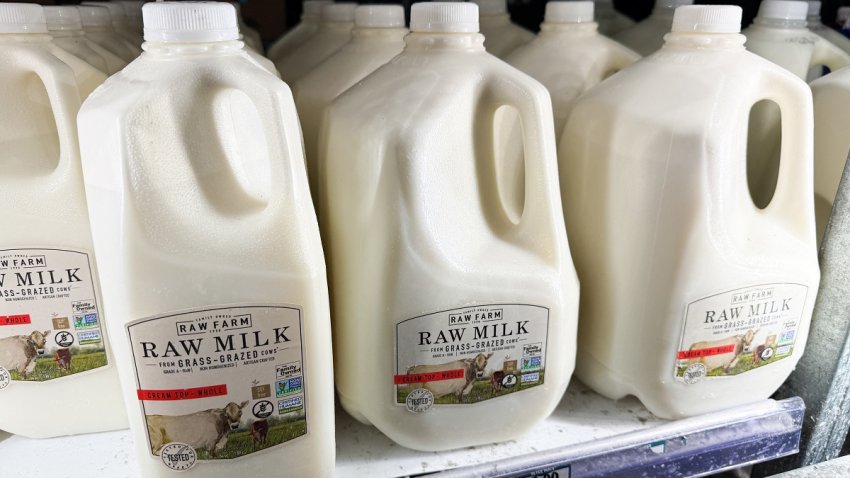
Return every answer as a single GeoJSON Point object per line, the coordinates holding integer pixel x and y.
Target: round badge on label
{"type": "Point", "coordinates": [767, 354]}
{"type": "Point", "coordinates": [263, 409]}
{"type": "Point", "coordinates": [64, 339]}
{"type": "Point", "coordinates": [5, 378]}
{"type": "Point", "coordinates": [178, 456]}
{"type": "Point", "coordinates": [509, 381]}
{"type": "Point", "coordinates": [420, 400]}
{"type": "Point", "coordinates": [694, 373]}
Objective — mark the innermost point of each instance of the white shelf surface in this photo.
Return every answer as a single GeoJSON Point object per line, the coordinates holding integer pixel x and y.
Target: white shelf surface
{"type": "Point", "coordinates": [584, 425]}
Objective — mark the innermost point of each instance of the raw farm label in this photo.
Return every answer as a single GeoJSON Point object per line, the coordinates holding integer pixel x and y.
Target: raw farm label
{"type": "Point", "coordinates": [469, 355]}
{"type": "Point", "coordinates": [220, 383]}
{"type": "Point", "coordinates": [737, 331]}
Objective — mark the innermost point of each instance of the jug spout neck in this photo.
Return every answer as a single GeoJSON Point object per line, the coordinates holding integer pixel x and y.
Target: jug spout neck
{"type": "Point", "coordinates": [206, 48]}
{"type": "Point", "coordinates": [705, 41]}
{"type": "Point", "coordinates": [420, 41]}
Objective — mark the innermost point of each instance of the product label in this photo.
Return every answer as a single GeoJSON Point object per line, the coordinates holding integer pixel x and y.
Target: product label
{"type": "Point", "coordinates": [469, 355]}
{"type": "Point", "coordinates": [737, 331]}
{"type": "Point", "coordinates": [220, 383]}
{"type": "Point", "coordinates": [50, 323]}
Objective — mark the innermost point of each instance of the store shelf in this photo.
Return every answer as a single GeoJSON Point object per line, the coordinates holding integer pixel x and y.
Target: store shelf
{"type": "Point", "coordinates": [588, 434]}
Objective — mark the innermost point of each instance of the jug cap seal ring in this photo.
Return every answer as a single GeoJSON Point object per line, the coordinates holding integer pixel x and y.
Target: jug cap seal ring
{"type": "Point", "coordinates": [444, 17]}
{"type": "Point", "coordinates": [707, 19]}
{"type": "Point", "coordinates": [491, 7]}
{"type": "Point", "coordinates": [783, 10]}
{"type": "Point", "coordinates": [22, 18]}
{"type": "Point", "coordinates": [63, 18]}
{"type": "Point", "coordinates": [338, 12]}
{"type": "Point", "coordinates": [379, 16]}
{"type": "Point", "coordinates": [190, 22]}
{"type": "Point", "coordinates": [569, 12]}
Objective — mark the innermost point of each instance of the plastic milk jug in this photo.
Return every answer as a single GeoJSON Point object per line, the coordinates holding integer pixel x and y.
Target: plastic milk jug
{"type": "Point", "coordinates": [501, 36]}
{"type": "Point", "coordinates": [120, 25]}
{"type": "Point", "coordinates": [212, 264]}
{"type": "Point", "coordinates": [832, 141]}
{"type": "Point", "coordinates": [569, 56]}
{"type": "Point", "coordinates": [334, 32]}
{"type": "Point", "coordinates": [609, 19]}
{"type": "Point", "coordinates": [378, 36]}
{"type": "Point", "coordinates": [647, 36]}
{"type": "Point", "coordinates": [98, 28]}
{"type": "Point", "coordinates": [305, 30]}
{"type": "Point", "coordinates": [693, 299]}
{"type": "Point", "coordinates": [813, 21]}
{"type": "Point", "coordinates": [460, 312]}
{"type": "Point", "coordinates": [63, 24]}
{"type": "Point", "coordinates": [54, 356]}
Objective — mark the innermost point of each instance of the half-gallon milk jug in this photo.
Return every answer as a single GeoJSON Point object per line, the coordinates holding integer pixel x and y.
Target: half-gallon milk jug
{"type": "Point", "coordinates": [832, 139]}
{"type": "Point", "coordinates": [378, 36]}
{"type": "Point", "coordinates": [609, 19]}
{"type": "Point", "coordinates": [501, 36]}
{"type": "Point", "coordinates": [647, 36]}
{"type": "Point", "coordinates": [57, 373]}
{"type": "Point", "coordinates": [213, 269]}
{"type": "Point", "coordinates": [815, 25]}
{"type": "Point", "coordinates": [97, 25]}
{"type": "Point", "coordinates": [122, 28]}
{"type": "Point", "coordinates": [458, 312]}
{"type": "Point", "coordinates": [693, 299]}
{"type": "Point", "coordinates": [301, 33]}
{"type": "Point", "coordinates": [569, 56]}
{"type": "Point", "coordinates": [63, 24]}
{"type": "Point", "coordinates": [334, 32]}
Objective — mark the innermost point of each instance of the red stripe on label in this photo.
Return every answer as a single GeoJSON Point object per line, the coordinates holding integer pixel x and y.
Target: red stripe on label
{"type": "Point", "coordinates": [182, 393]}
{"type": "Point", "coordinates": [691, 354]}
{"type": "Point", "coordinates": [15, 319]}
{"type": "Point", "coordinates": [429, 377]}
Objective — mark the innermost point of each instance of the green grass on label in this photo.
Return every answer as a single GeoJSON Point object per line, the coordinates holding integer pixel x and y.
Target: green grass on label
{"type": "Point", "coordinates": [745, 364]}
{"type": "Point", "coordinates": [481, 390]}
{"type": "Point", "coordinates": [46, 367]}
{"type": "Point", "coordinates": [241, 443]}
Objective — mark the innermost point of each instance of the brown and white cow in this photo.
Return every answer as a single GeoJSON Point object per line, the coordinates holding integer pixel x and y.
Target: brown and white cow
{"type": "Point", "coordinates": [259, 432]}
{"type": "Point", "coordinates": [62, 357]}
{"type": "Point", "coordinates": [728, 360]}
{"type": "Point", "coordinates": [20, 352]}
{"type": "Point", "coordinates": [205, 430]}
{"type": "Point", "coordinates": [459, 387]}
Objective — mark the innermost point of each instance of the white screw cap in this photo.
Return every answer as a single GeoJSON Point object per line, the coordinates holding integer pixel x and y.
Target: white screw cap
{"type": "Point", "coordinates": [491, 7]}
{"type": "Point", "coordinates": [190, 22]}
{"type": "Point", "coordinates": [313, 8]}
{"type": "Point", "coordinates": [444, 17]}
{"type": "Point", "coordinates": [116, 10]}
{"type": "Point", "coordinates": [568, 12]}
{"type": "Point", "coordinates": [672, 4]}
{"type": "Point", "coordinates": [338, 12]}
{"type": "Point", "coordinates": [22, 18]}
{"type": "Point", "coordinates": [379, 16]}
{"type": "Point", "coordinates": [783, 10]}
{"type": "Point", "coordinates": [707, 19]}
{"type": "Point", "coordinates": [91, 16]}
{"type": "Point", "coordinates": [814, 8]}
{"type": "Point", "coordinates": [63, 18]}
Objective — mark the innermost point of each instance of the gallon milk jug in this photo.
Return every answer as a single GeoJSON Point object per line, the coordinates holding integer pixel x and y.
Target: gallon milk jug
{"type": "Point", "coordinates": [213, 268]}
{"type": "Point", "coordinates": [832, 139]}
{"type": "Point", "coordinates": [693, 299]}
{"type": "Point", "coordinates": [609, 19]}
{"type": "Point", "coordinates": [63, 24]}
{"type": "Point", "coordinates": [501, 36]}
{"type": "Point", "coordinates": [305, 30]}
{"type": "Point", "coordinates": [378, 36]}
{"type": "Point", "coordinates": [334, 32]}
{"type": "Point", "coordinates": [57, 372]}
{"type": "Point", "coordinates": [122, 28]}
{"type": "Point", "coordinates": [98, 28]}
{"type": "Point", "coordinates": [459, 312]}
{"type": "Point", "coordinates": [815, 25]}
{"type": "Point", "coordinates": [569, 56]}
{"type": "Point", "coordinates": [648, 35]}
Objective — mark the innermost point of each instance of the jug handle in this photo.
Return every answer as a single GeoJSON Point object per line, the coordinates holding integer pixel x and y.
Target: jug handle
{"type": "Point", "coordinates": [829, 55]}
{"type": "Point", "coordinates": [542, 215]}
{"type": "Point", "coordinates": [792, 199]}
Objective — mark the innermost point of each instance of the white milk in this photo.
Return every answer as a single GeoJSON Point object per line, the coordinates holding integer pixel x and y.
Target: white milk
{"type": "Point", "coordinates": [609, 19]}
{"type": "Point", "coordinates": [120, 24]}
{"type": "Point", "coordinates": [693, 299]}
{"type": "Point", "coordinates": [57, 373]}
{"type": "Point", "coordinates": [63, 24]}
{"type": "Point", "coordinates": [302, 32]}
{"type": "Point", "coordinates": [377, 37]}
{"type": "Point", "coordinates": [647, 36]}
{"type": "Point", "coordinates": [832, 141]}
{"type": "Point", "coordinates": [203, 222]}
{"type": "Point", "coordinates": [815, 25]}
{"type": "Point", "coordinates": [98, 28]}
{"type": "Point", "coordinates": [334, 32]}
{"type": "Point", "coordinates": [422, 250]}
{"type": "Point", "coordinates": [501, 36]}
{"type": "Point", "coordinates": [569, 56]}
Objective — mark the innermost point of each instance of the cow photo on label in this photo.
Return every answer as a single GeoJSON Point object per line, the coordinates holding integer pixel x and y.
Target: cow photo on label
{"type": "Point", "coordinates": [203, 430]}
{"type": "Point", "coordinates": [19, 353]}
